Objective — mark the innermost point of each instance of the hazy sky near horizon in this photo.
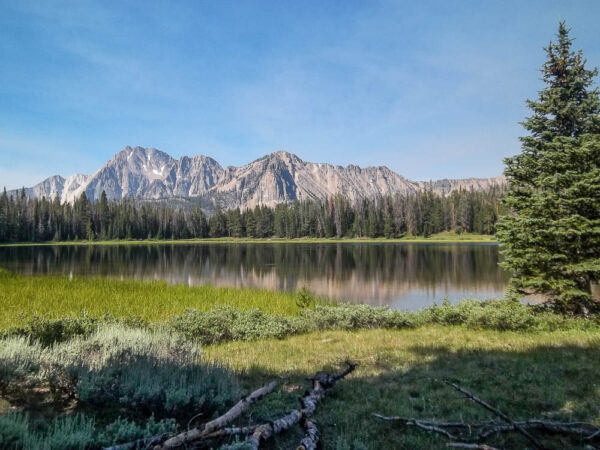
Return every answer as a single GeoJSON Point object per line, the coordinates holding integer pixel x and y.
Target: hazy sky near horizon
{"type": "Point", "coordinates": [432, 89]}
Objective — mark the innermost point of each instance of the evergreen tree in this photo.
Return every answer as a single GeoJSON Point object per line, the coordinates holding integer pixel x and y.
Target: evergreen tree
{"type": "Point", "coordinates": [551, 236]}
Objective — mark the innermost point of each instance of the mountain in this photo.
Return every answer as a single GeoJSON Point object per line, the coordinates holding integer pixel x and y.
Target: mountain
{"type": "Point", "coordinates": [49, 188]}
{"type": "Point", "coordinates": [72, 187]}
{"type": "Point", "coordinates": [283, 176]}
{"type": "Point", "coordinates": [150, 174]}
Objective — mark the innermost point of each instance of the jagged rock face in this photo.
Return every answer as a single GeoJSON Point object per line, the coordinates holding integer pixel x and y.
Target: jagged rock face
{"type": "Point", "coordinates": [282, 176]}
{"type": "Point", "coordinates": [49, 188]}
{"type": "Point", "coordinates": [73, 187]}
{"type": "Point", "coordinates": [132, 173]}
{"type": "Point", "coordinates": [194, 176]}
{"type": "Point", "coordinates": [148, 173]}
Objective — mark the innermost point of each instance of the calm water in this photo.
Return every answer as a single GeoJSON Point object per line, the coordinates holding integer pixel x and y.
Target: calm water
{"type": "Point", "coordinates": [404, 276]}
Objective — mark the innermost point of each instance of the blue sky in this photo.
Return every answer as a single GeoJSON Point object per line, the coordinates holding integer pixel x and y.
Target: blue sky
{"type": "Point", "coordinates": [431, 89]}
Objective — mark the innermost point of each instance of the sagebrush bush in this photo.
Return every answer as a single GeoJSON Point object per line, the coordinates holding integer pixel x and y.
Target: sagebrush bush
{"type": "Point", "coordinates": [48, 331]}
{"type": "Point", "coordinates": [143, 371]}
{"type": "Point", "coordinates": [146, 371]}
{"type": "Point", "coordinates": [230, 324]}
{"type": "Point", "coordinates": [19, 363]}
{"type": "Point", "coordinates": [75, 432]}
{"type": "Point", "coordinates": [502, 315]}
{"type": "Point", "coordinates": [226, 323]}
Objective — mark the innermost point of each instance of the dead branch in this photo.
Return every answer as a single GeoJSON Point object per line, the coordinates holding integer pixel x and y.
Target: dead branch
{"type": "Point", "coordinates": [322, 382]}
{"type": "Point", "coordinates": [483, 430]}
{"type": "Point", "coordinates": [470, 435]}
{"type": "Point", "coordinates": [578, 429]}
{"type": "Point", "coordinates": [424, 425]}
{"type": "Point", "coordinates": [474, 446]}
{"type": "Point", "coordinates": [498, 413]}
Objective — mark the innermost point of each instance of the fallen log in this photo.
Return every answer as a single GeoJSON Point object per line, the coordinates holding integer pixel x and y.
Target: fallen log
{"type": "Point", "coordinates": [311, 436]}
{"type": "Point", "coordinates": [198, 433]}
{"type": "Point", "coordinates": [217, 429]}
{"type": "Point", "coordinates": [322, 382]}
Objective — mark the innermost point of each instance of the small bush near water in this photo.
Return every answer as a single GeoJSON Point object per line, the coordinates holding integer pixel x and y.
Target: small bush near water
{"type": "Point", "coordinates": [229, 324]}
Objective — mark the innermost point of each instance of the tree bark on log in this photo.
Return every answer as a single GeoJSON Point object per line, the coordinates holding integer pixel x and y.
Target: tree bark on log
{"type": "Point", "coordinates": [322, 382]}
{"type": "Point", "coordinates": [311, 436]}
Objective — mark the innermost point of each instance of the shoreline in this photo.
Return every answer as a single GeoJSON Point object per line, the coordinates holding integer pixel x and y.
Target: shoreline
{"type": "Point", "coordinates": [436, 239]}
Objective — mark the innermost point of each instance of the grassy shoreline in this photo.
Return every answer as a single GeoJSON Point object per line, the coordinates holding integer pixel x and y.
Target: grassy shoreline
{"type": "Point", "coordinates": [529, 364]}
{"type": "Point", "coordinates": [55, 297]}
{"type": "Point", "coordinates": [450, 238]}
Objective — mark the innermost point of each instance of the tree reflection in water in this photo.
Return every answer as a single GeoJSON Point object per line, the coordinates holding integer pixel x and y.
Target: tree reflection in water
{"type": "Point", "coordinates": [404, 276]}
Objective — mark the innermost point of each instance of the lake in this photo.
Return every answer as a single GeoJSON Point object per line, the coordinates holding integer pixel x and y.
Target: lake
{"type": "Point", "coordinates": [404, 276]}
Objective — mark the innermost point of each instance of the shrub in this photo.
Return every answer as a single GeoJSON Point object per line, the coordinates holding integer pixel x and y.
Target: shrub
{"type": "Point", "coordinates": [305, 299]}
{"type": "Point", "coordinates": [49, 331]}
{"type": "Point", "coordinates": [123, 430]}
{"type": "Point", "coordinates": [141, 370]}
{"type": "Point", "coordinates": [226, 323]}
{"type": "Point", "coordinates": [19, 363]}
{"type": "Point", "coordinates": [502, 315]}
{"type": "Point", "coordinates": [75, 432]}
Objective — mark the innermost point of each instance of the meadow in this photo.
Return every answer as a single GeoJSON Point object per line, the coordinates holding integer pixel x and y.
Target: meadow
{"type": "Point", "coordinates": [95, 365]}
{"type": "Point", "coordinates": [155, 301]}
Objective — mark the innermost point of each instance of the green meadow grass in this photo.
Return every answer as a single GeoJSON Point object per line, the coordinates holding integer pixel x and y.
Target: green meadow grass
{"type": "Point", "coordinates": [550, 375]}
{"type": "Point", "coordinates": [24, 297]}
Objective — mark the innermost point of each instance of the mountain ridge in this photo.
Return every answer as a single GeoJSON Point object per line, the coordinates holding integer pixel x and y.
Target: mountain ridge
{"type": "Point", "coordinates": [281, 176]}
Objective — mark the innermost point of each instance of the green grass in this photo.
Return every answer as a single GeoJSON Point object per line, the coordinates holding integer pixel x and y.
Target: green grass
{"type": "Point", "coordinates": [449, 237]}
{"type": "Point", "coordinates": [23, 297]}
{"type": "Point", "coordinates": [550, 375]}
{"type": "Point", "coordinates": [533, 373]}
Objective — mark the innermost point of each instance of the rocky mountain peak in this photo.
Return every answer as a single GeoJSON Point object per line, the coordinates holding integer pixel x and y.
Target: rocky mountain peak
{"type": "Point", "coordinates": [149, 173]}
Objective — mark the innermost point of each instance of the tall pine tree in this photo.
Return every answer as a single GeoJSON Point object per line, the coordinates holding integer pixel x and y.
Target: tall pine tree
{"type": "Point", "coordinates": [551, 236]}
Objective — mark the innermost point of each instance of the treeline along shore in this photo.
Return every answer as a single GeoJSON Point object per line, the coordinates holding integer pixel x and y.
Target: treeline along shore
{"type": "Point", "coordinates": [24, 219]}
